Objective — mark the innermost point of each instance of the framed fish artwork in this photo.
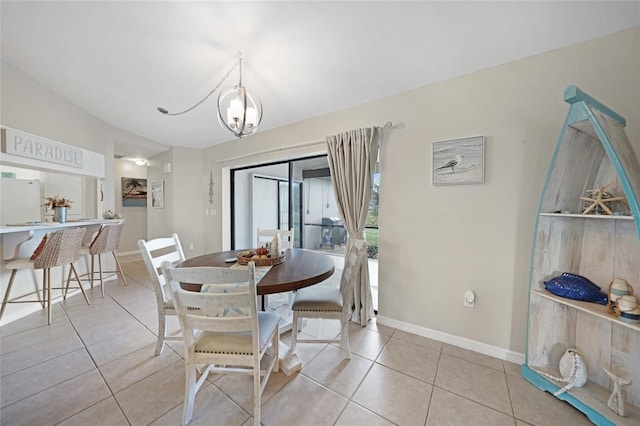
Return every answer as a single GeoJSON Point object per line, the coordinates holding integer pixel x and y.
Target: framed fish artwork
{"type": "Point", "coordinates": [458, 161]}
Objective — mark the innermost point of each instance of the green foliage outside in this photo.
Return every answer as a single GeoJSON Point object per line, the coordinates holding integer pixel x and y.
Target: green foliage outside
{"type": "Point", "coordinates": [372, 239]}
{"type": "Point", "coordinates": [371, 234]}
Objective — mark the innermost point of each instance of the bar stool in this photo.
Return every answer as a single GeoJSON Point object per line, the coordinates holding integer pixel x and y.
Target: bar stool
{"type": "Point", "coordinates": [59, 248]}
{"type": "Point", "coordinates": [106, 240]}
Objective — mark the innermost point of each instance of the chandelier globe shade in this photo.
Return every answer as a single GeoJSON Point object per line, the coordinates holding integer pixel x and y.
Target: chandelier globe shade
{"type": "Point", "coordinates": [239, 111]}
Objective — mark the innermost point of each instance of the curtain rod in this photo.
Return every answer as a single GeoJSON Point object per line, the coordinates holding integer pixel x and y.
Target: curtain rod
{"type": "Point", "coordinates": [386, 125]}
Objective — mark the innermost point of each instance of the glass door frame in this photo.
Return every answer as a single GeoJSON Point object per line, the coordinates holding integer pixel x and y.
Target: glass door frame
{"type": "Point", "coordinates": [291, 210]}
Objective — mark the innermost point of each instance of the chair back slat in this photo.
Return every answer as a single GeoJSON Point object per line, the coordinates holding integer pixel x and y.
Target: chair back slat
{"type": "Point", "coordinates": [154, 253]}
{"type": "Point", "coordinates": [173, 258]}
{"type": "Point", "coordinates": [222, 325]}
{"type": "Point", "coordinates": [286, 237]}
{"type": "Point", "coordinates": [220, 301]}
{"type": "Point", "coordinates": [227, 305]}
{"type": "Point", "coordinates": [62, 247]}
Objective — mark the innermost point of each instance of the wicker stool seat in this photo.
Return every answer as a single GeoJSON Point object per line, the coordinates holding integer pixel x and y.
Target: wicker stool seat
{"type": "Point", "coordinates": [60, 248]}
{"type": "Point", "coordinates": [107, 240]}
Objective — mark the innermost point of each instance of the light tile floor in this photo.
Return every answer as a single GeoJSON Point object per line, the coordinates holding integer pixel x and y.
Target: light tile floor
{"type": "Point", "coordinates": [95, 366]}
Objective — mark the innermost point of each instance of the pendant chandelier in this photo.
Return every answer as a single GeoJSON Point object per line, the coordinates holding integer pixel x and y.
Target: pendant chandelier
{"type": "Point", "coordinates": [239, 110]}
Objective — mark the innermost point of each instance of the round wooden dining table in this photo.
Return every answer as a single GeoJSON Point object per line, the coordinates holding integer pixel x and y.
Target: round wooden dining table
{"type": "Point", "coordinates": [301, 268]}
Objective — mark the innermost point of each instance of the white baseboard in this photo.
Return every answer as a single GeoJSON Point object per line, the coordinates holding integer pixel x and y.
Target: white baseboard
{"type": "Point", "coordinates": [462, 342]}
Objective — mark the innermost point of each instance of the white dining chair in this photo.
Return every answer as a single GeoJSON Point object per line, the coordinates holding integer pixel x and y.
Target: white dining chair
{"type": "Point", "coordinates": [154, 252]}
{"type": "Point", "coordinates": [227, 333]}
{"type": "Point", "coordinates": [330, 302]}
{"type": "Point", "coordinates": [287, 241]}
{"type": "Point", "coordinates": [266, 236]}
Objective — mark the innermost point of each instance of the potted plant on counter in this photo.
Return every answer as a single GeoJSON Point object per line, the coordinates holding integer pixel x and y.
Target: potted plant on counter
{"type": "Point", "coordinates": [59, 205]}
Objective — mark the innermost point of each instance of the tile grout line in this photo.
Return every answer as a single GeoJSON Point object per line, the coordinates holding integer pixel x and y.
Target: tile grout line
{"type": "Point", "coordinates": [111, 394]}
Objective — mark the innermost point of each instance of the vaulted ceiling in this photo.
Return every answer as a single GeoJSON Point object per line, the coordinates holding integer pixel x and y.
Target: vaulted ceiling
{"type": "Point", "coordinates": [119, 61]}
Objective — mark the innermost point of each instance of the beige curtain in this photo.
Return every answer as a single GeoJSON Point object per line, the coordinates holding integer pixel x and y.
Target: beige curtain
{"type": "Point", "coordinates": [352, 160]}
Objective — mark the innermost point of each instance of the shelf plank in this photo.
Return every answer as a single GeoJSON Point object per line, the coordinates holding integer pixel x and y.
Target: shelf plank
{"type": "Point", "coordinates": [588, 307]}
{"type": "Point", "coordinates": [588, 216]}
{"type": "Point", "coordinates": [591, 394]}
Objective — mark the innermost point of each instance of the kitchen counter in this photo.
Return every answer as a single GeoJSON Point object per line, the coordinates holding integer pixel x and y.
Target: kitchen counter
{"type": "Point", "coordinates": [20, 240]}
{"type": "Point", "coordinates": [48, 226]}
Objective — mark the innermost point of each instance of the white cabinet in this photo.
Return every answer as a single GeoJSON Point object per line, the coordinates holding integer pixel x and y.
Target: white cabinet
{"type": "Point", "coordinates": [592, 151]}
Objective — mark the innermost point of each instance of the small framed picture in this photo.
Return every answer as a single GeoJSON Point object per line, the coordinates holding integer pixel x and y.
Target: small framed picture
{"type": "Point", "coordinates": [458, 161]}
{"type": "Point", "coordinates": [134, 192]}
{"type": "Point", "coordinates": [157, 194]}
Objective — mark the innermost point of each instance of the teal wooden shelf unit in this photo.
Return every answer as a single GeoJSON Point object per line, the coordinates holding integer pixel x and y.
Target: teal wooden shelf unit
{"type": "Point", "coordinates": [593, 151]}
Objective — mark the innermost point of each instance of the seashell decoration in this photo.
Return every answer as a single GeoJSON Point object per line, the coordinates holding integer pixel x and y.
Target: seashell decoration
{"type": "Point", "coordinates": [618, 288]}
{"type": "Point", "coordinates": [572, 369]}
{"type": "Point", "coordinates": [628, 309]}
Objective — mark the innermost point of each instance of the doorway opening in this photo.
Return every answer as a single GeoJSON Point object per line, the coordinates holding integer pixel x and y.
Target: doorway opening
{"type": "Point", "coordinates": [298, 194]}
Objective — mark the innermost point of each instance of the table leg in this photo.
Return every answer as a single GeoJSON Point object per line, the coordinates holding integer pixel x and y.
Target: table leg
{"type": "Point", "coordinates": [289, 361]}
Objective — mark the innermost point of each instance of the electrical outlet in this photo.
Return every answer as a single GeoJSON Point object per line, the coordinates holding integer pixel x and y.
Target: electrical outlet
{"type": "Point", "coordinates": [190, 246]}
{"type": "Point", "coordinates": [469, 299]}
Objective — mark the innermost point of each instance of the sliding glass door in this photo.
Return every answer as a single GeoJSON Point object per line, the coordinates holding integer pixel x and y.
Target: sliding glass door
{"type": "Point", "coordinates": [297, 194]}
{"type": "Point", "coordinates": [261, 199]}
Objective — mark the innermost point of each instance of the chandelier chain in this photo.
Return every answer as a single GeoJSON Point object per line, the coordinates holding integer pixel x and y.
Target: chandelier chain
{"type": "Point", "coordinates": [238, 62]}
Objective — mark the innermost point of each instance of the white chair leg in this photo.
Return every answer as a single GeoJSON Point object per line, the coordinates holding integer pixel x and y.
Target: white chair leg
{"type": "Point", "coordinates": [294, 332]}
{"type": "Point", "coordinates": [276, 349]}
{"type": "Point", "coordinates": [161, 333]}
{"type": "Point", "coordinates": [189, 394]}
{"type": "Point", "coordinates": [345, 338]}
{"type": "Point", "coordinates": [256, 396]}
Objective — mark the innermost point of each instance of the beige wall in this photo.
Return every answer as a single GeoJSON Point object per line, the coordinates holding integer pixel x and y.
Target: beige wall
{"type": "Point", "coordinates": [437, 242]}
{"type": "Point", "coordinates": [185, 192]}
